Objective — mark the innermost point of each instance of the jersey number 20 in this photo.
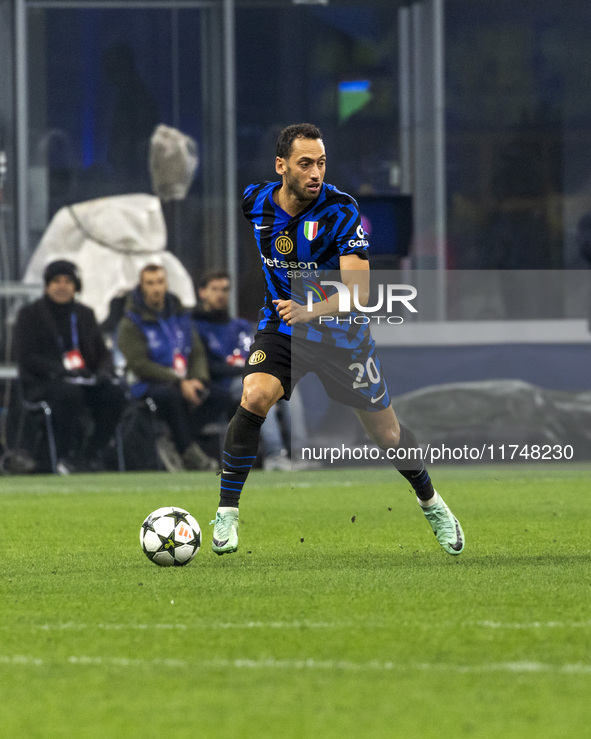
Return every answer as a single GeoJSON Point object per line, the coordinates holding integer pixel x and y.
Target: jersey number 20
{"type": "Point", "coordinates": [372, 373]}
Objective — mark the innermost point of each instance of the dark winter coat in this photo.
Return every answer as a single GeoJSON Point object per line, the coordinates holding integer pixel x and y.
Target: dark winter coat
{"type": "Point", "coordinates": [148, 340]}
{"type": "Point", "coordinates": [42, 336]}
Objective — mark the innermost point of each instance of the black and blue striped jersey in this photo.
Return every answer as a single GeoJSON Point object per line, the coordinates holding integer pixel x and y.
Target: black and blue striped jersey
{"type": "Point", "coordinates": [296, 249]}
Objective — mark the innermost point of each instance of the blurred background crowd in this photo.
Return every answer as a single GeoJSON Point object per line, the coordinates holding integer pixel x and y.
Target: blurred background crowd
{"type": "Point", "coordinates": [463, 128]}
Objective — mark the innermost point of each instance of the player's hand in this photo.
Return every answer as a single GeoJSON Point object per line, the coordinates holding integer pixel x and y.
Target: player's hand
{"type": "Point", "coordinates": [291, 312]}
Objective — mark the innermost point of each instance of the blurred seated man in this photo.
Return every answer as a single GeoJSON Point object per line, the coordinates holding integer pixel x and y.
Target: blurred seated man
{"type": "Point", "coordinates": [228, 341]}
{"type": "Point", "coordinates": [63, 360]}
{"type": "Point", "coordinates": [168, 363]}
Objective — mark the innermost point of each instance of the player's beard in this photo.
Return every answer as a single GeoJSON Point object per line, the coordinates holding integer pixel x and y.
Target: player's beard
{"type": "Point", "coordinates": [299, 191]}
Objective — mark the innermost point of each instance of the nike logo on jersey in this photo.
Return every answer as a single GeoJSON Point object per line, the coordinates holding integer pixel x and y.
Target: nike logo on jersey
{"type": "Point", "coordinates": [375, 400]}
{"type": "Point", "coordinates": [260, 228]}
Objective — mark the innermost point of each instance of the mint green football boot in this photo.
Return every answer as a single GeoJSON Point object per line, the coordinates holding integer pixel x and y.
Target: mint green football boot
{"type": "Point", "coordinates": [446, 527]}
{"type": "Point", "coordinates": [225, 531]}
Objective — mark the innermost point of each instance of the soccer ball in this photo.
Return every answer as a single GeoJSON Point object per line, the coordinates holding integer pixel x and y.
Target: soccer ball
{"type": "Point", "coordinates": [170, 537]}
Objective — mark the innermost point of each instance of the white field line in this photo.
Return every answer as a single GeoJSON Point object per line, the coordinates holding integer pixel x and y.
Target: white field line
{"type": "Point", "coordinates": [278, 625]}
{"type": "Point", "coordinates": [271, 481]}
{"type": "Point", "coordinates": [534, 625]}
{"type": "Point", "coordinates": [294, 665]}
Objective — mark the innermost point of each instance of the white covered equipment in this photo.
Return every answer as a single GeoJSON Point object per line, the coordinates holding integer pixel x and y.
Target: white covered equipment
{"type": "Point", "coordinates": [173, 163]}
{"type": "Point", "coordinates": [110, 239]}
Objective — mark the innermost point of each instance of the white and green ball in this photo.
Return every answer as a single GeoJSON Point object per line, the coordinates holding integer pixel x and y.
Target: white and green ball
{"type": "Point", "coordinates": [170, 537]}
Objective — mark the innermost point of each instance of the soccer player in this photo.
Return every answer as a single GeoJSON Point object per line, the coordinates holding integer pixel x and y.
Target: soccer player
{"type": "Point", "coordinates": [302, 220]}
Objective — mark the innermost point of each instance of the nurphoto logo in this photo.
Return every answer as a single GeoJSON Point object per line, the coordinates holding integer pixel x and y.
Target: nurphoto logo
{"type": "Point", "coordinates": [388, 296]}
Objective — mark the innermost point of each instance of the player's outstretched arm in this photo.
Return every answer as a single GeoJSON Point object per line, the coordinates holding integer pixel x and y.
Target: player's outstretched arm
{"type": "Point", "coordinates": [354, 276]}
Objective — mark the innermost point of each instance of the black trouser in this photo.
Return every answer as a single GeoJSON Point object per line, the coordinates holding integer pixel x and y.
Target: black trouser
{"type": "Point", "coordinates": [184, 419]}
{"type": "Point", "coordinates": [68, 403]}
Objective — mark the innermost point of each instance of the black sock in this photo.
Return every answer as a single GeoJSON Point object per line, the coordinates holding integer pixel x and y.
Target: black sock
{"type": "Point", "coordinates": [411, 466]}
{"type": "Point", "coordinates": [240, 451]}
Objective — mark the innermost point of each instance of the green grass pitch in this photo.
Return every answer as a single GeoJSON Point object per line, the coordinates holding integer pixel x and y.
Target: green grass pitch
{"type": "Point", "coordinates": [340, 616]}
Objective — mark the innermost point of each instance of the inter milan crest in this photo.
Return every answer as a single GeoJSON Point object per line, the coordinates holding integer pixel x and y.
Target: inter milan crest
{"type": "Point", "coordinates": [257, 357]}
{"type": "Point", "coordinates": [283, 243]}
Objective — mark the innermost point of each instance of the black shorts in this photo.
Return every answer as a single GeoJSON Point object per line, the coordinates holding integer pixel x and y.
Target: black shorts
{"type": "Point", "coordinates": [350, 376]}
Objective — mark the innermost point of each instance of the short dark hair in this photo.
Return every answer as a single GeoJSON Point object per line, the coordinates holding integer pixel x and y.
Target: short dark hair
{"type": "Point", "coordinates": [214, 274]}
{"type": "Point", "coordinates": [296, 131]}
{"type": "Point", "coordinates": [151, 267]}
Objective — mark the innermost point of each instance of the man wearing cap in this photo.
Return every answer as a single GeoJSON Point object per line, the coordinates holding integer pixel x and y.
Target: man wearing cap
{"type": "Point", "coordinates": [63, 360]}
